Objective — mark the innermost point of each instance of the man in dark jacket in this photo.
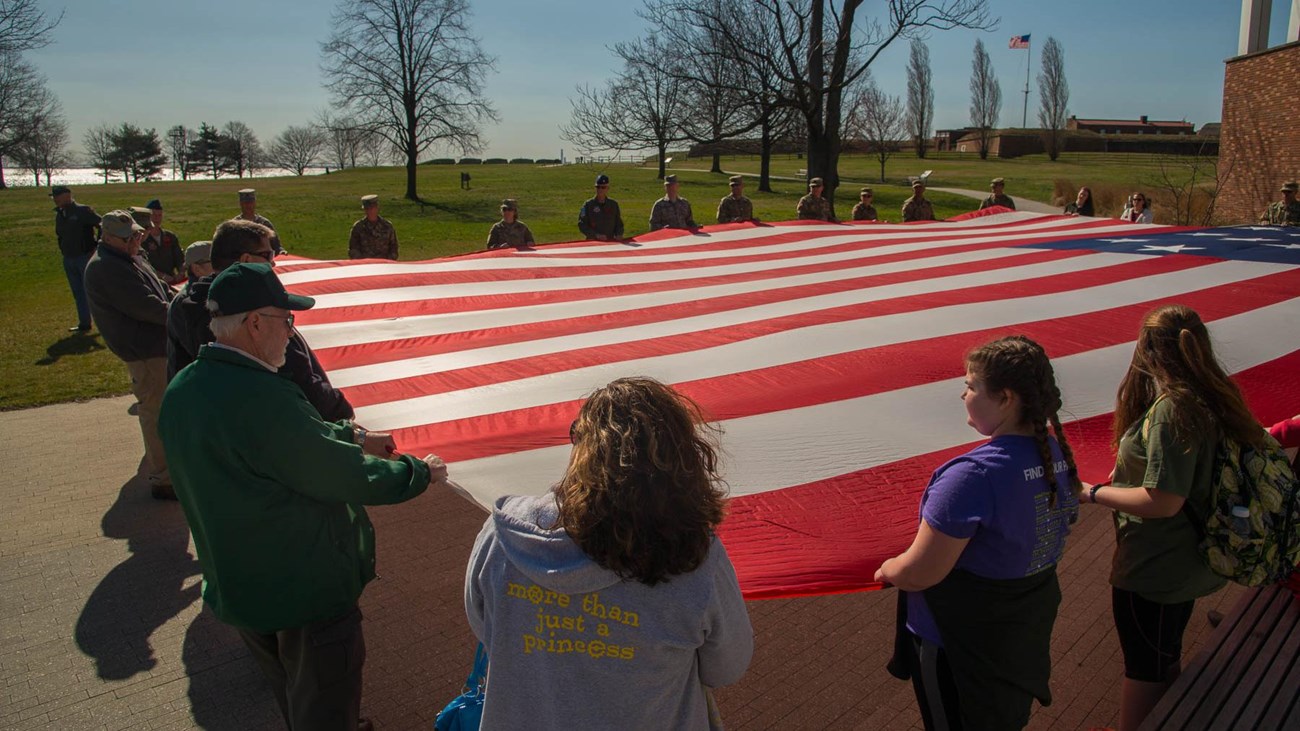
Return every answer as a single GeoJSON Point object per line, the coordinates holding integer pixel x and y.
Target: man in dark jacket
{"type": "Point", "coordinates": [233, 242]}
{"type": "Point", "coordinates": [273, 496]}
{"type": "Point", "coordinates": [130, 304]}
{"type": "Point", "coordinates": [77, 228]}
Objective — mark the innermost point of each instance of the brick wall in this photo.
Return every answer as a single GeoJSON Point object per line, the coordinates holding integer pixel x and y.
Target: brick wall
{"type": "Point", "coordinates": [1260, 142]}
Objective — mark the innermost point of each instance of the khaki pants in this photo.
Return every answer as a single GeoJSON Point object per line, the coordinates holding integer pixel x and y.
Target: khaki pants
{"type": "Point", "coordinates": [148, 382]}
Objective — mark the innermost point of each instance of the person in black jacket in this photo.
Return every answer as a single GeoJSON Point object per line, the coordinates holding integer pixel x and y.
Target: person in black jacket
{"type": "Point", "coordinates": [77, 229]}
{"type": "Point", "coordinates": [237, 241]}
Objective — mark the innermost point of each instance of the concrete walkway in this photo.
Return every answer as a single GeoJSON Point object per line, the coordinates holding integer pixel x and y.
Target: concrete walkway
{"type": "Point", "coordinates": [101, 626]}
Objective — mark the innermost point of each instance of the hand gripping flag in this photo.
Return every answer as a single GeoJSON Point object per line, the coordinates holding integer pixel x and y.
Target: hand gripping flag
{"type": "Point", "coordinates": [831, 354]}
{"type": "Point", "coordinates": [1019, 41]}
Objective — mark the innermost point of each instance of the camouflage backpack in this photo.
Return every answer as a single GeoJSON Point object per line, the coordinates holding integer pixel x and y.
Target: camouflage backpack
{"type": "Point", "coordinates": [1252, 535]}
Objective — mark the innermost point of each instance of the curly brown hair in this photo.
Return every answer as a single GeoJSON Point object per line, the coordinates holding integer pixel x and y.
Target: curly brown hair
{"type": "Point", "coordinates": [642, 495]}
{"type": "Point", "coordinates": [1174, 359]}
{"type": "Point", "coordinates": [1022, 366]}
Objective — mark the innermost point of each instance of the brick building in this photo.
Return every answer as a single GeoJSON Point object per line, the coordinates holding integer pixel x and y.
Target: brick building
{"type": "Point", "coordinates": [1259, 141]}
{"type": "Point", "coordinates": [1140, 126]}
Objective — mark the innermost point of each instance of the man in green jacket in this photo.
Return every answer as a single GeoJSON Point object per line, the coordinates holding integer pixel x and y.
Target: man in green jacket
{"type": "Point", "coordinates": [273, 496]}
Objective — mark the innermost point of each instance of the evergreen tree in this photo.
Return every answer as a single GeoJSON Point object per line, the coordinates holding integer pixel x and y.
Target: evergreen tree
{"type": "Point", "coordinates": [137, 152]}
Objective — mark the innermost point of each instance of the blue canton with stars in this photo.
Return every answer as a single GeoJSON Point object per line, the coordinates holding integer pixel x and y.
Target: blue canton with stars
{"type": "Point", "coordinates": [1245, 243]}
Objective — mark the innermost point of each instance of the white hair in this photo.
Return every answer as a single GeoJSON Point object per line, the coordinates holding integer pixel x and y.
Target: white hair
{"type": "Point", "coordinates": [224, 327]}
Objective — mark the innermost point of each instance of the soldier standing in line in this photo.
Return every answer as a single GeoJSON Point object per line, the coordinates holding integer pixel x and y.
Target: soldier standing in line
{"type": "Point", "coordinates": [600, 218]}
{"type": "Point", "coordinates": [917, 208]}
{"type": "Point", "coordinates": [509, 231]}
{"type": "Point", "coordinates": [736, 208]}
{"type": "Point", "coordinates": [671, 211]}
{"type": "Point", "coordinates": [161, 247]}
{"type": "Point", "coordinates": [77, 229]}
{"type": "Point", "coordinates": [373, 237]}
{"type": "Point", "coordinates": [1285, 212]}
{"type": "Point", "coordinates": [864, 210]}
{"type": "Point", "coordinates": [813, 207]}
{"type": "Point", "coordinates": [998, 198]}
{"type": "Point", "coordinates": [248, 212]}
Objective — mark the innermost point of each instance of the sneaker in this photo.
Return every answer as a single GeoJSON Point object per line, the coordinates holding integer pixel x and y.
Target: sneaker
{"type": "Point", "coordinates": [162, 491]}
{"type": "Point", "coordinates": [133, 409]}
{"type": "Point", "coordinates": [79, 329]}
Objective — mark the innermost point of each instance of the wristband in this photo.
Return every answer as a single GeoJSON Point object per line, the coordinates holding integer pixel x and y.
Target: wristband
{"type": "Point", "coordinates": [1092, 493]}
{"type": "Point", "coordinates": [359, 436]}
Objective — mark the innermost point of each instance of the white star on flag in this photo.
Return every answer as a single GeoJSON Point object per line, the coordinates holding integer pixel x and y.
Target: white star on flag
{"type": "Point", "coordinates": [1285, 246]}
{"type": "Point", "coordinates": [1125, 241]}
{"type": "Point", "coordinates": [1205, 233]}
{"type": "Point", "coordinates": [1260, 228]}
{"type": "Point", "coordinates": [1235, 239]}
{"type": "Point", "coordinates": [1172, 248]}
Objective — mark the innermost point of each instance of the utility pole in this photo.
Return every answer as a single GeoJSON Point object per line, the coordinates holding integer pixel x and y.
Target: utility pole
{"type": "Point", "coordinates": [1029, 58]}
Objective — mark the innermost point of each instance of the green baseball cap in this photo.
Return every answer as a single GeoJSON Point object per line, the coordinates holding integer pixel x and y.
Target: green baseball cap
{"type": "Point", "coordinates": [246, 287]}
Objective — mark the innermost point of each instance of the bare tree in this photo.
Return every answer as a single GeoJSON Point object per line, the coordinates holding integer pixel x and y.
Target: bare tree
{"type": "Point", "coordinates": [100, 149]}
{"type": "Point", "coordinates": [920, 96]}
{"type": "Point", "coordinates": [1191, 184]}
{"type": "Point", "coordinates": [409, 70]}
{"type": "Point", "coordinates": [641, 108]}
{"type": "Point", "coordinates": [297, 148]}
{"type": "Point", "coordinates": [877, 119]}
{"type": "Point", "coordinates": [24, 27]}
{"type": "Point", "coordinates": [178, 144]}
{"type": "Point", "coordinates": [344, 135]}
{"type": "Point", "coordinates": [985, 98]}
{"type": "Point", "coordinates": [45, 149]}
{"type": "Point", "coordinates": [819, 49]}
{"type": "Point", "coordinates": [242, 148]}
{"type": "Point", "coordinates": [25, 103]}
{"type": "Point", "coordinates": [1053, 98]}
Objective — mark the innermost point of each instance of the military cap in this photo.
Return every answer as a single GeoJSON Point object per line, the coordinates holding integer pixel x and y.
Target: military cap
{"type": "Point", "coordinates": [369, 200]}
{"type": "Point", "coordinates": [142, 216]}
{"type": "Point", "coordinates": [509, 204]}
{"type": "Point", "coordinates": [997, 181]}
{"type": "Point", "coordinates": [602, 179]}
{"type": "Point", "coordinates": [918, 183]}
{"type": "Point", "coordinates": [199, 252]}
{"type": "Point", "coordinates": [59, 190]}
{"type": "Point", "coordinates": [866, 191]}
{"type": "Point", "coordinates": [247, 287]}
{"type": "Point", "coordinates": [816, 183]}
{"type": "Point", "coordinates": [154, 205]}
{"type": "Point", "coordinates": [248, 194]}
{"type": "Point", "coordinates": [736, 179]}
{"type": "Point", "coordinates": [669, 179]}
{"type": "Point", "coordinates": [1291, 187]}
{"type": "Point", "coordinates": [119, 224]}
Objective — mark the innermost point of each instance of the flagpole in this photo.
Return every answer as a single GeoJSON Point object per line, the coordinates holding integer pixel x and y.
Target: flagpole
{"type": "Point", "coordinates": [1029, 57]}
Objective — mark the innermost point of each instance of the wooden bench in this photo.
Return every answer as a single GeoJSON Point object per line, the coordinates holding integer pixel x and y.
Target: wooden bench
{"type": "Point", "coordinates": [801, 173]}
{"type": "Point", "coordinates": [1247, 676]}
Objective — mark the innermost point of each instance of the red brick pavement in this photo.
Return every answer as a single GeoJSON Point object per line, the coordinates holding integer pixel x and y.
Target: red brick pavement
{"type": "Point", "coordinates": [99, 627]}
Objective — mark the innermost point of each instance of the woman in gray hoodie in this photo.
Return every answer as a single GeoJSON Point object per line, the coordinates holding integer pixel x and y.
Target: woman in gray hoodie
{"type": "Point", "coordinates": [608, 602]}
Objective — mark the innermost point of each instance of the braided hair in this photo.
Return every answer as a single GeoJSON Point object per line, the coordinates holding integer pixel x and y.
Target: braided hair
{"type": "Point", "coordinates": [1021, 365]}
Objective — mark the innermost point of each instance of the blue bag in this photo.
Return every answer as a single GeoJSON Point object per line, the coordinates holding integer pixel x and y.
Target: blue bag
{"type": "Point", "coordinates": [466, 710]}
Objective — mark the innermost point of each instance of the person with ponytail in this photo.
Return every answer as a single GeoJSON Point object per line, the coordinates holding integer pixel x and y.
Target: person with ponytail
{"type": "Point", "coordinates": [978, 585]}
{"type": "Point", "coordinates": [1174, 405]}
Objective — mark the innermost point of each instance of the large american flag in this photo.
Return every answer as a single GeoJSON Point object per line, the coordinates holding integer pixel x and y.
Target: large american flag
{"type": "Point", "coordinates": [831, 354]}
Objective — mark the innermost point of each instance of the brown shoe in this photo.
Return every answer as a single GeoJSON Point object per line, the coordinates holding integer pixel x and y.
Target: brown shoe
{"type": "Point", "coordinates": [162, 491]}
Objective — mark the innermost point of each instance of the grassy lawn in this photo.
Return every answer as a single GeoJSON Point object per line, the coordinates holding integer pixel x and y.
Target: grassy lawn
{"type": "Point", "coordinates": [43, 364]}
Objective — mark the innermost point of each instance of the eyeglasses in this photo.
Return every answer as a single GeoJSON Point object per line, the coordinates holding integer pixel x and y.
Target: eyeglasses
{"type": "Point", "coordinates": [287, 318]}
{"type": "Point", "coordinates": [268, 254]}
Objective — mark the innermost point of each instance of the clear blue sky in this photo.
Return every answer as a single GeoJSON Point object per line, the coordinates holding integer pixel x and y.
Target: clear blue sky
{"type": "Point", "coordinates": [158, 63]}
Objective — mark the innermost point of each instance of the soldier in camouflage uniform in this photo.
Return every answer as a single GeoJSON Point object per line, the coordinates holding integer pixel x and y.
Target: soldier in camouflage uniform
{"type": "Point", "coordinates": [373, 237]}
{"type": "Point", "coordinates": [998, 198]}
{"type": "Point", "coordinates": [813, 207]}
{"type": "Point", "coordinates": [736, 208]}
{"type": "Point", "coordinates": [671, 211]}
{"type": "Point", "coordinates": [248, 212]}
{"type": "Point", "coordinates": [917, 208]}
{"type": "Point", "coordinates": [509, 231]}
{"type": "Point", "coordinates": [864, 210]}
{"type": "Point", "coordinates": [1285, 212]}
{"type": "Point", "coordinates": [600, 218]}
{"type": "Point", "coordinates": [161, 248]}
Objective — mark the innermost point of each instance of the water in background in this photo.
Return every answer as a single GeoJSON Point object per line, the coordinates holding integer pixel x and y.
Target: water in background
{"type": "Point", "coordinates": [92, 176]}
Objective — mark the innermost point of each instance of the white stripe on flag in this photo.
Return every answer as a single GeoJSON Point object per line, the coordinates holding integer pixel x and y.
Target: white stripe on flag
{"type": "Point", "coordinates": [802, 344]}
{"type": "Point", "coordinates": [798, 446]}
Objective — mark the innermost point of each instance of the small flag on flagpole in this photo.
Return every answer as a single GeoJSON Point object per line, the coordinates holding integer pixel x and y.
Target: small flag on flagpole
{"type": "Point", "coordinates": [1019, 41]}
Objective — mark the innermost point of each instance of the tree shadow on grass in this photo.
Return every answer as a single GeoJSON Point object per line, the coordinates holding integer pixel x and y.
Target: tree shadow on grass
{"type": "Point", "coordinates": [472, 211]}
{"type": "Point", "coordinates": [74, 344]}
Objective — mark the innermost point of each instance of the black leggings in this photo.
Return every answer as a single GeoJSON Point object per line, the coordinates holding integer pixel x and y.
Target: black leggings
{"type": "Point", "coordinates": [1150, 634]}
{"type": "Point", "coordinates": [936, 692]}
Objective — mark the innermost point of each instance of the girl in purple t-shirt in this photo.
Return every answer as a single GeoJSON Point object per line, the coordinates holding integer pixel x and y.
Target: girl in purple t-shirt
{"type": "Point", "coordinates": [980, 576]}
